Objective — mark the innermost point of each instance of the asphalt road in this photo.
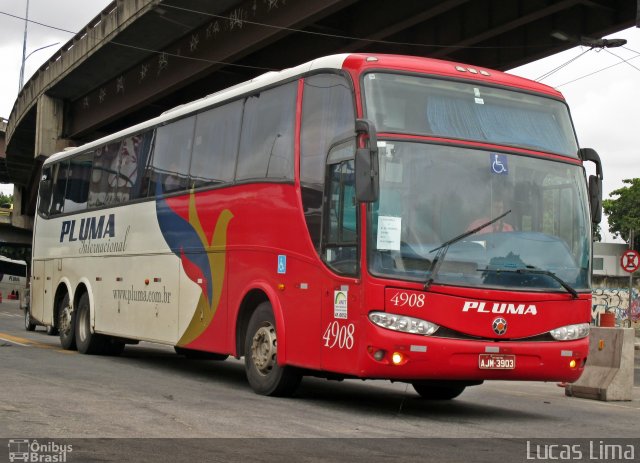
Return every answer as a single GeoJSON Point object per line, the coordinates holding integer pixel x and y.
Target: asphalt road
{"type": "Point", "coordinates": [149, 392]}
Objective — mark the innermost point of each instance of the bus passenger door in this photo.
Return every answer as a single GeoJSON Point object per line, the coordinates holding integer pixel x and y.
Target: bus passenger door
{"type": "Point", "coordinates": [340, 252]}
{"type": "Point", "coordinates": [49, 267]}
{"type": "Point", "coordinates": [37, 290]}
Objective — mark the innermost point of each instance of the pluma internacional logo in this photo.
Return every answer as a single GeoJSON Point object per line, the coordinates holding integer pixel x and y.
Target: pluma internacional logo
{"type": "Point", "coordinates": [500, 308]}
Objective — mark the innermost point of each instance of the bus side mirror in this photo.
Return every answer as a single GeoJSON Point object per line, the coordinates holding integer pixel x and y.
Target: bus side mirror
{"type": "Point", "coordinates": [595, 198]}
{"type": "Point", "coordinates": [595, 183]}
{"type": "Point", "coordinates": [367, 182]}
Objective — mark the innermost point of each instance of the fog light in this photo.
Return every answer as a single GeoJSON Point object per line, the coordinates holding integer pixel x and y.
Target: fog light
{"type": "Point", "coordinates": [397, 358]}
{"type": "Point", "coordinates": [572, 364]}
{"type": "Point", "coordinates": [378, 355]}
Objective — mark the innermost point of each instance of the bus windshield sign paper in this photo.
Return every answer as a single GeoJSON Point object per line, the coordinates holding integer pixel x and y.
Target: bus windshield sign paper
{"type": "Point", "coordinates": [389, 233]}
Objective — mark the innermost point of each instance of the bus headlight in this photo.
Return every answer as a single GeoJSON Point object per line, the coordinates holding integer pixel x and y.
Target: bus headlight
{"type": "Point", "coordinates": [403, 323]}
{"type": "Point", "coordinates": [571, 332]}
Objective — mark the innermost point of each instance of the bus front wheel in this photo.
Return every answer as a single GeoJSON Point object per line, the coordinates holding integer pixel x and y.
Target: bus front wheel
{"type": "Point", "coordinates": [434, 390]}
{"type": "Point", "coordinates": [264, 374]}
{"type": "Point", "coordinates": [66, 324]}
{"type": "Point", "coordinates": [28, 324]}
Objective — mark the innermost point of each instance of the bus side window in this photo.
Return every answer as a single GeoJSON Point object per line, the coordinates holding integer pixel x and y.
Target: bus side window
{"type": "Point", "coordinates": [327, 112]}
{"type": "Point", "coordinates": [77, 193]}
{"type": "Point", "coordinates": [60, 173]}
{"type": "Point", "coordinates": [266, 143]}
{"type": "Point", "coordinates": [341, 233]}
{"type": "Point", "coordinates": [215, 146]}
{"type": "Point", "coordinates": [172, 156]}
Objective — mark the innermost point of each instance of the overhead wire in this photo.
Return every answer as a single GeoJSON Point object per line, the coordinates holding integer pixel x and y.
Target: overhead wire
{"type": "Point", "coordinates": [346, 37]}
{"type": "Point", "coordinates": [553, 71]}
{"type": "Point", "coordinates": [324, 34]}
{"type": "Point", "coordinates": [623, 60]}
{"type": "Point", "coordinates": [595, 72]}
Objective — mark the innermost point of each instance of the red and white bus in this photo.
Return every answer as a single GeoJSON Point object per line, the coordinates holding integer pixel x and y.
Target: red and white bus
{"type": "Point", "coordinates": [357, 216]}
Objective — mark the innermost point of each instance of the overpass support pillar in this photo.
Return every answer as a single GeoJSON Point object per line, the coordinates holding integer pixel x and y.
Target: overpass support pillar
{"type": "Point", "coordinates": [49, 123]}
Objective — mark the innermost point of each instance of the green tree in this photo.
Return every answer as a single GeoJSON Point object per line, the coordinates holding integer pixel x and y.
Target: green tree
{"type": "Point", "coordinates": [5, 199]}
{"type": "Point", "coordinates": [597, 233]}
{"type": "Point", "coordinates": [623, 212]}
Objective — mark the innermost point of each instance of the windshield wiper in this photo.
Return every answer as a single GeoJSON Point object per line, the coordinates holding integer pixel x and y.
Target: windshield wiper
{"type": "Point", "coordinates": [536, 271]}
{"type": "Point", "coordinates": [444, 247]}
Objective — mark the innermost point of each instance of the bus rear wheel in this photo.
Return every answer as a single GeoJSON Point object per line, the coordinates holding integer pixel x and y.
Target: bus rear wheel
{"type": "Point", "coordinates": [66, 324]}
{"type": "Point", "coordinates": [264, 374]}
{"type": "Point", "coordinates": [434, 390]}
{"type": "Point", "coordinates": [28, 324]}
{"type": "Point", "coordinates": [87, 342]}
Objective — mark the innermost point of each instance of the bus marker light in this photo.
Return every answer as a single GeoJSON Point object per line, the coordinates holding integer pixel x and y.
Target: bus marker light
{"type": "Point", "coordinates": [146, 281]}
{"type": "Point", "coordinates": [281, 287]}
{"type": "Point", "coordinates": [157, 280]}
{"type": "Point", "coordinates": [572, 364]}
{"type": "Point", "coordinates": [118, 278]}
{"type": "Point", "coordinates": [601, 344]}
{"type": "Point", "coordinates": [398, 358]}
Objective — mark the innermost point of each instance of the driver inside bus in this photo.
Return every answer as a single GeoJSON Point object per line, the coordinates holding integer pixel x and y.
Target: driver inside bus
{"type": "Point", "coordinates": [497, 209]}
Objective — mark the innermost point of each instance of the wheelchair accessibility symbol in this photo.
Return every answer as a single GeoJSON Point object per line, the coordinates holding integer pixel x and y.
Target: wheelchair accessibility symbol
{"type": "Point", "coordinates": [499, 164]}
{"type": "Point", "coordinates": [282, 264]}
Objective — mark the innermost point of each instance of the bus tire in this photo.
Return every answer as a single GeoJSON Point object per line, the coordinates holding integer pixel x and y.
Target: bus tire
{"type": "Point", "coordinates": [264, 374]}
{"type": "Point", "coordinates": [86, 341]}
{"type": "Point", "coordinates": [66, 324]}
{"type": "Point", "coordinates": [432, 390]}
{"type": "Point", "coordinates": [28, 323]}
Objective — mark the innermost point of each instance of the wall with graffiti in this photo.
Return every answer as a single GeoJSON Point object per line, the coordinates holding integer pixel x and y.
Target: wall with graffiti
{"type": "Point", "coordinates": [616, 300]}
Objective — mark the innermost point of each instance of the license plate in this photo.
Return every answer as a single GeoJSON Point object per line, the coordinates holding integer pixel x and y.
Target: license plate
{"type": "Point", "coordinates": [497, 362]}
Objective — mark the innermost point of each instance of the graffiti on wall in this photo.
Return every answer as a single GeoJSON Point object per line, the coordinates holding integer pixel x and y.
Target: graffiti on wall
{"type": "Point", "coordinates": [616, 300]}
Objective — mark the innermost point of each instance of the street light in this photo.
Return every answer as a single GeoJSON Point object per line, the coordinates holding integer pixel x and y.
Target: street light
{"type": "Point", "coordinates": [27, 57]}
{"type": "Point", "coordinates": [588, 41]}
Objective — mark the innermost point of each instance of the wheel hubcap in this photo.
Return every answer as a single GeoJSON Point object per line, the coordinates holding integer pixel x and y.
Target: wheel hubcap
{"type": "Point", "coordinates": [263, 349]}
{"type": "Point", "coordinates": [65, 321]}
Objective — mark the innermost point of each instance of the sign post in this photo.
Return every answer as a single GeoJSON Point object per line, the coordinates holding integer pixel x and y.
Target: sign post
{"type": "Point", "coordinates": [630, 261]}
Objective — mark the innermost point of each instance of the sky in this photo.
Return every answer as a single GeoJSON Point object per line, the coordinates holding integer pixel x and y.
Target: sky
{"type": "Point", "coordinates": [604, 105]}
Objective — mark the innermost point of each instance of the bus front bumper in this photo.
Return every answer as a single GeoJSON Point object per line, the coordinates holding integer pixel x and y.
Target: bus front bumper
{"type": "Point", "coordinates": [401, 356]}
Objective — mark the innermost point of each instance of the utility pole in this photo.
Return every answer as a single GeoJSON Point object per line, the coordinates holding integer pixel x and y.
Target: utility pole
{"type": "Point", "coordinates": [631, 233]}
{"type": "Point", "coordinates": [24, 47]}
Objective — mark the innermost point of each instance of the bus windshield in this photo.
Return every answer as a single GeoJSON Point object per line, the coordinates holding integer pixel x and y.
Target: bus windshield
{"type": "Point", "coordinates": [443, 108]}
{"type": "Point", "coordinates": [430, 194]}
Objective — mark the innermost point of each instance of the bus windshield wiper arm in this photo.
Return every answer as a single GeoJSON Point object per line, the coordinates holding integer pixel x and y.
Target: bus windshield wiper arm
{"type": "Point", "coordinates": [444, 247]}
{"type": "Point", "coordinates": [536, 271]}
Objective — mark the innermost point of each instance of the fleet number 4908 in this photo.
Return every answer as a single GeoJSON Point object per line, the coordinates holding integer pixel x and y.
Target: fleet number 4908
{"type": "Point", "coordinates": [402, 299]}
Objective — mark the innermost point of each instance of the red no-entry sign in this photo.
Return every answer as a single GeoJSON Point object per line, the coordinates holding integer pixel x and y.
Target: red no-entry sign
{"type": "Point", "coordinates": [630, 261]}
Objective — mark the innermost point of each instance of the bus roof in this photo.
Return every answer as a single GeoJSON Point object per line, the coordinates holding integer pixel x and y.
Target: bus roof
{"type": "Point", "coordinates": [356, 62]}
{"type": "Point", "coordinates": [6, 259]}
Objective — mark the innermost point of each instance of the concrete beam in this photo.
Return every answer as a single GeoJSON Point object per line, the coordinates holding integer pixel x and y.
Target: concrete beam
{"type": "Point", "coordinates": [609, 372]}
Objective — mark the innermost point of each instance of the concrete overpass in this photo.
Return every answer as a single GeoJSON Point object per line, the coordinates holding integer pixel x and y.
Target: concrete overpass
{"type": "Point", "coordinates": [138, 58]}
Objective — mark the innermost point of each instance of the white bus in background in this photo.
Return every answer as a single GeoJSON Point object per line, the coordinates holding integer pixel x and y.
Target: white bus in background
{"type": "Point", "coordinates": [13, 278]}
